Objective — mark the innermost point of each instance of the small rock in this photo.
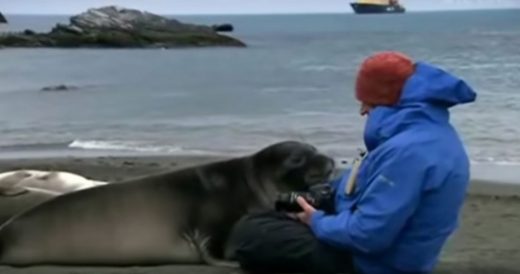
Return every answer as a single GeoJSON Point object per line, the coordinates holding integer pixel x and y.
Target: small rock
{"type": "Point", "coordinates": [223, 28]}
{"type": "Point", "coordinates": [59, 88]}
{"type": "Point", "coordinates": [29, 32]}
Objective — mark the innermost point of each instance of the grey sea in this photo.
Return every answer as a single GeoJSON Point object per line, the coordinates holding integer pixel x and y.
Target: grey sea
{"type": "Point", "coordinates": [294, 81]}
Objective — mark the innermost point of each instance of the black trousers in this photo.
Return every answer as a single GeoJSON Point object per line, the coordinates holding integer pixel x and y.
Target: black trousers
{"type": "Point", "coordinates": [272, 242]}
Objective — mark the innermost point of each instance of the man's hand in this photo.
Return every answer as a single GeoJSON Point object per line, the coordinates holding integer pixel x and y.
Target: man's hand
{"type": "Point", "coordinates": [308, 210]}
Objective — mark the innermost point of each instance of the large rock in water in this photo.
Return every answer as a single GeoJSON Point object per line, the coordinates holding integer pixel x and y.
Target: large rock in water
{"type": "Point", "coordinates": [120, 27]}
{"type": "Point", "coordinates": [2, 19]}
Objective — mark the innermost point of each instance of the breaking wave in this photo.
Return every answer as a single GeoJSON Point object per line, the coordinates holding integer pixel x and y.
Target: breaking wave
{"type": "Point", "coordinates": [323, 68]}
{"type": "Point", "coordinates": [135, 147]}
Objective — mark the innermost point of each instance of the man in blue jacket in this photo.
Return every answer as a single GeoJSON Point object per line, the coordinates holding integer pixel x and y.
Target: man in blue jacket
{"type": "Point", "coordinates": [397, 206]}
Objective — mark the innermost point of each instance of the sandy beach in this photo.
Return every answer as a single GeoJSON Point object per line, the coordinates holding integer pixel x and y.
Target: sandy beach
{"type": "Point", "coordinates": [487, 241]}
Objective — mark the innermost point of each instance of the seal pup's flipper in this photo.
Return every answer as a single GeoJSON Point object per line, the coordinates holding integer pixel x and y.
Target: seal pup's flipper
{"type": "Point", "coordinates": [8, 185]}
{"type": "Point", "coordinates": [12, 191]}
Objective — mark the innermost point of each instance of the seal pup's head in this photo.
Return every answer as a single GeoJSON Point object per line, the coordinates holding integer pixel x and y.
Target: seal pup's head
{"type": "Point", "coordinates": [10, 183]}
{"type": "Point", "coordinates": [293, 166]}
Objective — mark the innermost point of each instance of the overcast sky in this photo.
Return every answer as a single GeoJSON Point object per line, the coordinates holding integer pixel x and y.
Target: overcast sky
{"type": "Point", "coordinates": [233, 6]}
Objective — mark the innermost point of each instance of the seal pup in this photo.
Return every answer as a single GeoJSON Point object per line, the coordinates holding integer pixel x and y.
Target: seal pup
{"type": "Point", "coordinates": [15, 200]}
{"type": "Point", "coordinates": [21, 190]}
{"type": "Point", "coordinates": [55, 181]}
{"type": "Point", "coordinates": [177, 217]}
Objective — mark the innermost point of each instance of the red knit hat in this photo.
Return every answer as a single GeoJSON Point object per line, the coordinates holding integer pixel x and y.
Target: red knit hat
{"type": "Point", "coordinates": [382, 76]}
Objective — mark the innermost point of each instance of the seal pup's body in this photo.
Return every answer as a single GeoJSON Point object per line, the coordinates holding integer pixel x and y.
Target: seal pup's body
{"type": "Point", "coordinates": [21, 190]}
{"type": "Point", "coordinates": [55, 181]}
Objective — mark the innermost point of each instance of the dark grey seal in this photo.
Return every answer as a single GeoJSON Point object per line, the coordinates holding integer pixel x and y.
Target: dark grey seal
{"type": "Point", "coordinates": [178, 217]}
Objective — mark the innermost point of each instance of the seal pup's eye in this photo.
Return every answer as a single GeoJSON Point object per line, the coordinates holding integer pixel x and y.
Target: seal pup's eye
{"type": "Point", "coordinates": [296, 161]}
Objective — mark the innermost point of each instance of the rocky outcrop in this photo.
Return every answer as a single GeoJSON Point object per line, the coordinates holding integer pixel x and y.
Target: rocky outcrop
{"type": "Point", "coordinates": [120, 27]}
{"type": "Point", "coordinates": [2, 19]}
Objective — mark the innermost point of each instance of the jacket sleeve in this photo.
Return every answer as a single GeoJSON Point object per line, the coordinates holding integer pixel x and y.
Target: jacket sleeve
{"type": "Point", "coordinates": [390, 199]}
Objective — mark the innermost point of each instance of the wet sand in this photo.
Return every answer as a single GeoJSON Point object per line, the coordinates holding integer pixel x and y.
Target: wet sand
{"type": "Point", "coordinates": [487, 241]}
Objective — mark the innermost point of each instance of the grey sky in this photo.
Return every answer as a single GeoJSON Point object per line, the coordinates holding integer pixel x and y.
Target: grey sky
{"type": "Point", "coordinates": [233, 6]}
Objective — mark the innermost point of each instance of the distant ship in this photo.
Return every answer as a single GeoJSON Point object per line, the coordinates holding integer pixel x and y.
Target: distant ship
{"type": "Point", "coordinates": [377, 6]}
{"type": "Point", "coordinates": [2, 19]}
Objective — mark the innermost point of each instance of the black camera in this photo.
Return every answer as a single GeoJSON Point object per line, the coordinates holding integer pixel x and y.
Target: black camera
{"type": "Point", "coordinates": [319, 196]}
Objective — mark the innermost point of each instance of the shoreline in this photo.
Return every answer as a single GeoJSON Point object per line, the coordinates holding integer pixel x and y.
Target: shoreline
{"type": "Point", "coordinates": [482, 181]}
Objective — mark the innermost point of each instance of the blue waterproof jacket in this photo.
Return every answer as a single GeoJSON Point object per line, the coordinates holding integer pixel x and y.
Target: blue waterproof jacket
{"type": "Point", "coordinates": [410, 186]}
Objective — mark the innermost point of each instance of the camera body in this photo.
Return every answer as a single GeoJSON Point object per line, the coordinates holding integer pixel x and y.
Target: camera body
{"type": "Point", "coordinates": [319, 196]}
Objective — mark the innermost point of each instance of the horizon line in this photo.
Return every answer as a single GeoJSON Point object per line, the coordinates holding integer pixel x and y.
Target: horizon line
{"type": "Point", "coordinates": [275, 13]}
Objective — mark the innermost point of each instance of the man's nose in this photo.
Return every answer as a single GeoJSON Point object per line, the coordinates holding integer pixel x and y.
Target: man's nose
{"type": "Point", "coordinates": [363, 110]}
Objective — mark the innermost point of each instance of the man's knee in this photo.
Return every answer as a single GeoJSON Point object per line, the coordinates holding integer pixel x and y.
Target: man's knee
{"type": "Point", "coordinates": [270, 238]}
{"type": "Point", "coordinates": [272, 230]}
{"type": "Point", "coordinates": [274, 242]}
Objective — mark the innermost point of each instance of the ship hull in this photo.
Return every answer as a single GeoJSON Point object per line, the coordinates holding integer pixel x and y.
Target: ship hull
{"type": "Point", "coordinates": [361, 8]}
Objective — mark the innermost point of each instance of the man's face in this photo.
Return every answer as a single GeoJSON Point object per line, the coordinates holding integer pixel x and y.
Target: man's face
{"type": "Point", "coordinates": [365, 109]}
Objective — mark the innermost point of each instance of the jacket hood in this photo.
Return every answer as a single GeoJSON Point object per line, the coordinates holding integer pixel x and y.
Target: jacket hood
{"type": "Point", "coordinates": [426, 97]}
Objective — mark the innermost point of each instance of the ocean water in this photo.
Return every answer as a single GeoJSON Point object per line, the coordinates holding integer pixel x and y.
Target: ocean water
{"type": "Point", "coordinates": [294, 81]}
